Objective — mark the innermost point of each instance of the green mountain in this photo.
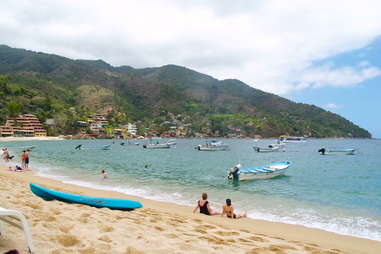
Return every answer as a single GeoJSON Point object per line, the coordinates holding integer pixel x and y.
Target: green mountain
{"type": "Point", "coordinates": [69, 90]}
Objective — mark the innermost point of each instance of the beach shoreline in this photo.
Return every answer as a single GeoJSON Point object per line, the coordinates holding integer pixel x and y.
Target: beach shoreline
{"type": "Point", "coordinates": [156, 221]}
{"type": "Point", "coordinates": [10, 139]}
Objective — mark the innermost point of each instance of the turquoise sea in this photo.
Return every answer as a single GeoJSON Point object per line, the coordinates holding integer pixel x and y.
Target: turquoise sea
{"type": "Point", "coordinates": [338, 193]}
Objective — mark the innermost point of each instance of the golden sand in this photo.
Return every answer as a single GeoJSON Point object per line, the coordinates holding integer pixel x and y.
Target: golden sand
{"type": "Point", "coordinates": [158, 227]}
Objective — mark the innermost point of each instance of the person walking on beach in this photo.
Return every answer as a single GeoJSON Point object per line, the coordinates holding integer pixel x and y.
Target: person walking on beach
{"type": "Point", "coordinates": [228, 209]}
{"type": "Point", "coordinates": [204, 207]}
{"type": "Point", "coordinates": [25, 159]}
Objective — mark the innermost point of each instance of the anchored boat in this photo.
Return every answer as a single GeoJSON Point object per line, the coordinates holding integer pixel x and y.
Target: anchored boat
{"type": "Point", "coordinates": [26, 148]}
{"type": "Point", "coordinates": [346, 151]}
{"type": "Point", "coordinates": [112, 203]}
{"type": "Point", "coordinates": [157, 146]}
{"type": "Point", "coordinates": [82, 147]}
{"type": "Point", "coordinates": [262, 172]}
{"type": "Point", "coordinates": [212, 145]}
{"type": "Point", "coordinates": [288, 139]}
{"type": "Point", "coordinates": [270, 148]}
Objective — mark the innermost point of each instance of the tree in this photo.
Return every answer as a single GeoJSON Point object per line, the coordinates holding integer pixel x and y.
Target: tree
{"type": "Point", "coordinates": [13, 108]}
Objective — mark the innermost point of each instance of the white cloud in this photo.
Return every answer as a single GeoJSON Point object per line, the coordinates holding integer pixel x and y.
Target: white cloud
{"type": "Point", "coordinates": [332, 106]}
{"type": "Point", "coordinates": [269, 44]}
{"type": "Point", "coordinates": [344, 76]}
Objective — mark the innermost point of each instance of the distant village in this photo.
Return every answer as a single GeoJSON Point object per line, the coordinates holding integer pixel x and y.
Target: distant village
{"type": "Point", "coordinates": [28, 125]}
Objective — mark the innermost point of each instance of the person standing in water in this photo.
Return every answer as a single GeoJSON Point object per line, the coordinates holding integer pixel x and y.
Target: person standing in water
{"type": "Point", "coordinates": [204, 207]}
{"type": "Point", "coordinates": [24, 159]}
{"type": "Point", "coordinates": [104, 174]}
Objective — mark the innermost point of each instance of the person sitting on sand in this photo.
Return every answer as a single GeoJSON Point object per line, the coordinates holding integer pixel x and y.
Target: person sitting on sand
{"type": "Point", "coordinates": [228, 209]}
{"type": "Point", "coordinates": [104, 174]}
{"type": "Point", "coordinates": [16, 168]}
{"type": "Point", "coordinates": [204, 206]}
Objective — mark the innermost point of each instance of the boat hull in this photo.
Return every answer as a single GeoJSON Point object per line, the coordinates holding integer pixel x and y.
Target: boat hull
{"type": "Point", "coordinates": [106, 147]}
{"type": "Point", "coordinates": [156, 146]}
{"type": "Point", "coordinates": [112, 203]}
{"type": "Point", "coordinates": [268, 150]}
{"type": "Point", "coordinates": [262, 172]}
{"type": "Point", "coordinates": [26, 148]}
{"type": "Point", "coordinates": [264, 175]}
{"type": "Point", "coordinates": [209, 148]}
{"type": "Point", "coordinates": [343, 152]}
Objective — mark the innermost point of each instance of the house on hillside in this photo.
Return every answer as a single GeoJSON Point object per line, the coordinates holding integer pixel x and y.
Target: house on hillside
{"type": "Point", "coordinates": [26, 125]}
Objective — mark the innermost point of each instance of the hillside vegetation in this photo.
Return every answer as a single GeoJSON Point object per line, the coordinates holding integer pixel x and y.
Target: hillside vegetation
{"type": "Point", "coordinates": [67, 90]}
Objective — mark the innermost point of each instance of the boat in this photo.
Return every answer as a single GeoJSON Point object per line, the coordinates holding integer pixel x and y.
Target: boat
{"type": "Point", "coordinates": [212, 145]}
{"type": "Point", "coordinates": [82, 147]}
{"type": "Point", "coordinates": [112, 203]}
{"type": "Point", "coordinates": [270, 148]}
{"type": "Point", "coordinates": [171, 142]}
{"type": "Point", "coordinates": [26, 148]}
{"type": "Point", "coordinates": [262, 172]}
{"type": "Point", "coordinates": [346, 151]}
{"type": "Point", "coordinates": [157, 146]}
{"type": "Point", "coordinates": [289, 139]}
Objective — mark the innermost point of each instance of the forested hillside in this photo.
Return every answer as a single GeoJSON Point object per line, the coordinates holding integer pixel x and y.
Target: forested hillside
{"type": "Point", "coordinates": [67, 90]}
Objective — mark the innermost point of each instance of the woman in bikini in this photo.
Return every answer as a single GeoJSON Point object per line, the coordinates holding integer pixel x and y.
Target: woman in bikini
{"type": "Point", "coordinates": [228, 209]}
{"type": "Point", "coordinates": [204, 206]}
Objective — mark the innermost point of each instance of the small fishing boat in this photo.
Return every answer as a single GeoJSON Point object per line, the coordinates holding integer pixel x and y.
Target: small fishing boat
{"type": "Point", "coordinates": [112, 203]}
{"type": "Point", "coordinates": [20, 148]}
{"type": "Point", "coordinates": [347, 151]}
{"type": "Point", "coordinates": [262, 172]}
{"type": "Point", "coordinates": [289, 139]}
{"type": "Point", "coordinates": [82, 147]}
{"type": "Point", "coordinates": [171, 142]}
{"type": "Point", "coordinates": [157, 146]}
{"type": "Point", "coordinates": [269, 148]}
{"type": "Point", "coordinates": [212, 145]}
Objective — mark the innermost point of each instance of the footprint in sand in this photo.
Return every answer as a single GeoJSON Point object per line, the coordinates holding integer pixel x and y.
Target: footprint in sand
{"type": "Point", "coordinates": [224, 233]}
{"type": "Point", "coordinates": [66, 240]}
{"type": "Point", "coordinates": [65, 228]}
{"type": "Point", "coordinates": [258, 239]}
{"type": "Point", "coordinates": [159, 228]}
{"type": "Point", "coordinates": [105, 238]}
{"type": "Point", "coordinates": [106, 229]}
{"type": "Point", "coordinates": [172, 236]}
{"type": "Point", "coordinates": [209, 226]}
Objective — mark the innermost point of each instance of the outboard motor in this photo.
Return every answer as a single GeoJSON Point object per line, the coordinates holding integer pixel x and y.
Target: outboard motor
{"type": "Point", "coordinates": [144, 146]}
{"type": "Point", "coordinates": [78, 146]}
{"type": "Point", "coordinates": [322, 151]}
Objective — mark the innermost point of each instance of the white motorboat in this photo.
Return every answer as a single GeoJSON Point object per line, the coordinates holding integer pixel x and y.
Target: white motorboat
{"type": "Point", "coordinates": [212, 145]}
{"type": "Point", "coordinates": [346, 151]}
{"type": "Point", "coordinates": [262, 172]}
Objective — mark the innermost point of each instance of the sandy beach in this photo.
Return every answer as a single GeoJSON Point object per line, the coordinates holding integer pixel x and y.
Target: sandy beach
{"type": "Point", "coordinates": [8, 139]}
{"type": "Point", "coordinates": [158, 227]}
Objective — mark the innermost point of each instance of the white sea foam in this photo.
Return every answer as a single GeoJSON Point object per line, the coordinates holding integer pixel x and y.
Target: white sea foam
{"type": "Point", "coordinates": [344, 224]}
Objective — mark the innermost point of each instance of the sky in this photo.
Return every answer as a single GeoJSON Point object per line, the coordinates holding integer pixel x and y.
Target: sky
{"type": "Point", "coordinates": [326, 53]}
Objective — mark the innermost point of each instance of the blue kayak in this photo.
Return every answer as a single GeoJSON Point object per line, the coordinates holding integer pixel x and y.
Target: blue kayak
{"type": "Point", "coordinates": [112, 203]}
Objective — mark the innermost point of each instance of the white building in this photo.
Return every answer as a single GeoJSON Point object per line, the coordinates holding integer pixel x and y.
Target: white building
{"type": "Point", "coordinates": [131, 128]}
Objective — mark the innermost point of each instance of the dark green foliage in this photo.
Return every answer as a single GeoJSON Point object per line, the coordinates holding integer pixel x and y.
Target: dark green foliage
{"type": "Point", "coordinates": [68, 90]}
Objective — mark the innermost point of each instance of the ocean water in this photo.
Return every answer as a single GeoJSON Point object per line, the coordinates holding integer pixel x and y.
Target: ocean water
{"type": "Point", "coordinates": [338, 193]}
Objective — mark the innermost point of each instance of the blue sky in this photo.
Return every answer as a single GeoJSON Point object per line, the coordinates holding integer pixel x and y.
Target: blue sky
{"type": "Point", "coordinates": [326, 53]}
{"type": "Point", "coordinates": [359, 103]}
